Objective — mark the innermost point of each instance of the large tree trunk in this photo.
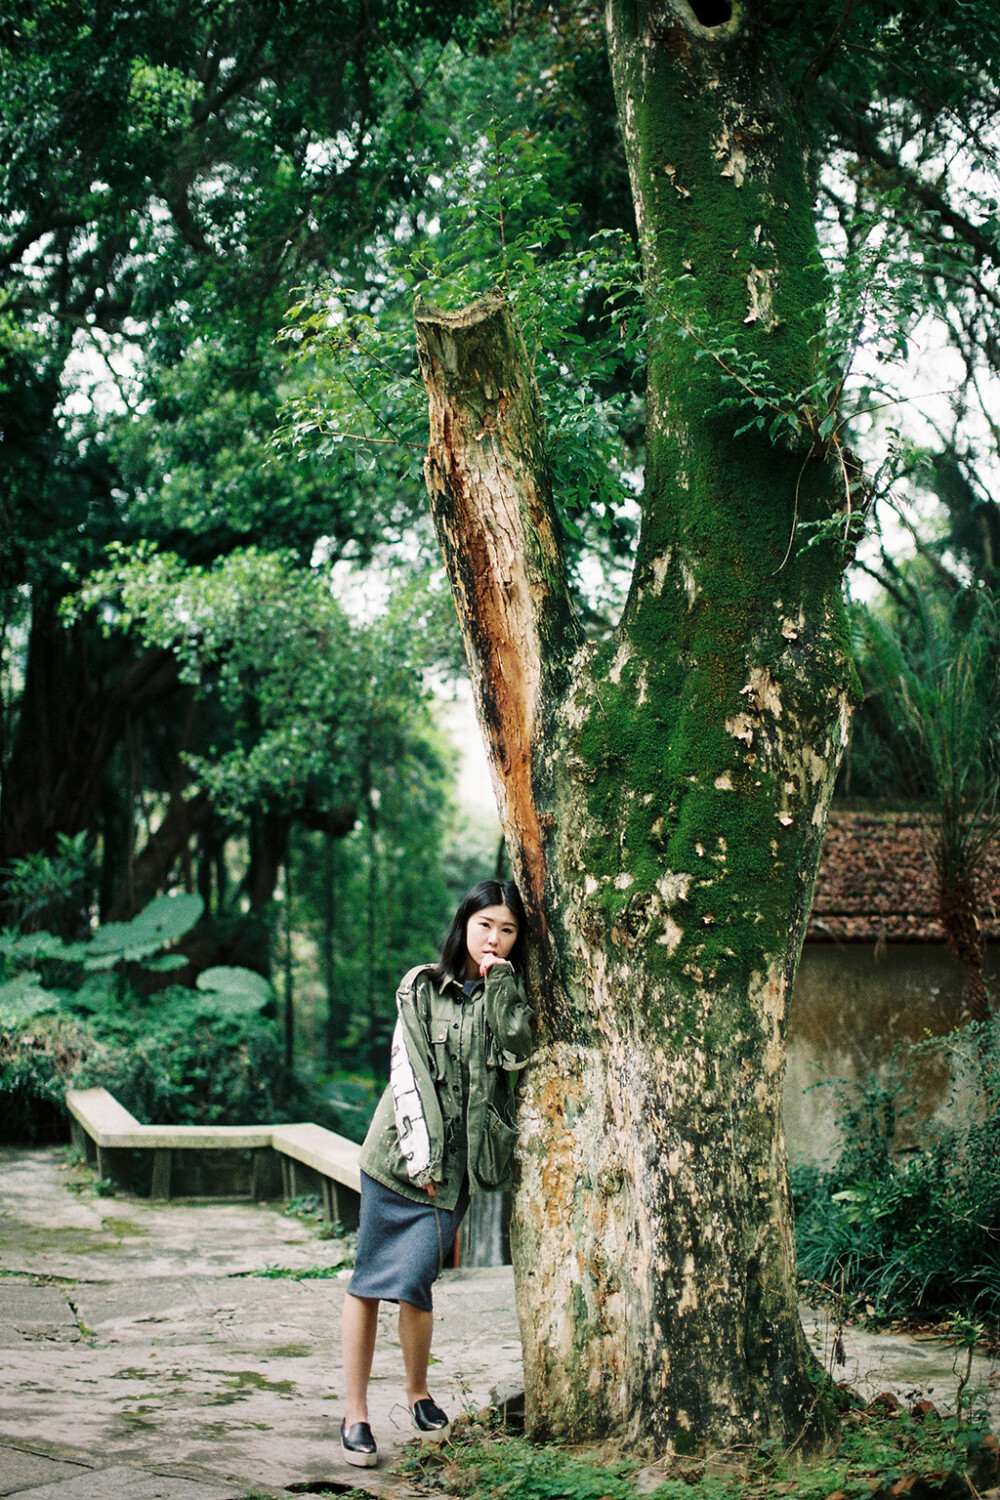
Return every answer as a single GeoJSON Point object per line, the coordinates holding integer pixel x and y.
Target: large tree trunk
{"type": "Point", "coordinates": [664, 794]}
{"type": "Point", "coordinates": [958, 908]}
{"type": "Point", "coordinates": [75, 708]}
{"type": "Point", "coordinates": [149, 872]}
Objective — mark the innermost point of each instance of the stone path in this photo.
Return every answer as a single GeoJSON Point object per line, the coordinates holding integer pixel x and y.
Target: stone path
{"type": "Point", "coordinates": [140, 1361]}
{"type": "Point", "coordinates": [133, 1342]}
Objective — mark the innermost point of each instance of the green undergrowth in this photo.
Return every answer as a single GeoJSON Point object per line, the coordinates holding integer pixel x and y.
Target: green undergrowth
{"type": "Point", "coordinates": [102, 1011]}
{"type": "Point", "coordinates": [904, 1222]}
{"type": "Point", "coordinates": [875, 1450]}
{"type": "Point", "coordinates": [307, 1273]}
{"type": "Point", "coordinates": [176, 1058]}
{"type": "Point", "coordinates": [172, 1061]}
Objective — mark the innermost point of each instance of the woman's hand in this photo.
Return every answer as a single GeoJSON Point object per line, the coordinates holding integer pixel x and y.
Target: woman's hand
{"type": "Point", "coordinates": [489, 960]}
{"type": "Point", "coordinates": [429, 1188]}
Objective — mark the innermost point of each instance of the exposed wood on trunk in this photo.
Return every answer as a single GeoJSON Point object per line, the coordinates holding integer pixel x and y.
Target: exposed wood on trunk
{"type": "Point", "coordinates": [490, 498]}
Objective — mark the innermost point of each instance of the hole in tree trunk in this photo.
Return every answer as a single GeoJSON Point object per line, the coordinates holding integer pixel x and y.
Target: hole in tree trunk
{"type": "Point", "coordinates": [711, 13]}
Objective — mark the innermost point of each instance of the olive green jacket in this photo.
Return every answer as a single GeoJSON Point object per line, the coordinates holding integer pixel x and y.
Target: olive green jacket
{"type": "Point", "coordinates": [449, 1106]}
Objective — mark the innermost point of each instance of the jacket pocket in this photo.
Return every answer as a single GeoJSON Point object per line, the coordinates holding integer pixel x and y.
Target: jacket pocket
{"type": "Point", "coordinates": [496, 1149]}
{"type": "Point", "coordinates": [392, 1154]}
{"type": "Point", "coordinates": [439, 1051]}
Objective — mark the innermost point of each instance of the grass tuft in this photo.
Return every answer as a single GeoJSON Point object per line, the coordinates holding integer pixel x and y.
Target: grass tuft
{"type": "Point", "coordinates": [877, 1448]}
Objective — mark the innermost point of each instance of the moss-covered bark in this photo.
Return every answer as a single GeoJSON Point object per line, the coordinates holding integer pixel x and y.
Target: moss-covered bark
{"type": "Point", "coordinates": [665, 795]}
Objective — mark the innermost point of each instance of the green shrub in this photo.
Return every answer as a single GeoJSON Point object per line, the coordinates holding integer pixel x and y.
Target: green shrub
{"type": "Point", "coordinates": [911, 1232]}
{"type": "Point", "coordinates": [38, 1059]}
{"type": "Point", "coordinates": [72, 1015]}
{"type": "Point", "coordinates": [177, 1059]}
{"type": "Point", "coordinates": [186, 1058]}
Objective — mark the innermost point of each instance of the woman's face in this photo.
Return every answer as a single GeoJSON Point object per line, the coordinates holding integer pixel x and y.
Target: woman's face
{"type": "Point", "coordinates": [490, 934]}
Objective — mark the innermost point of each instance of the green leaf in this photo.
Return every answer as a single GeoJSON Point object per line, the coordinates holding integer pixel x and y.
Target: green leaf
{"type": "Point", "coordinates": [169, 917]}
{"type": "Point", "coordinates": [33, 945]}
{"type": "Point", "coordinates": [23, 997]}
{"type": "Point", "coordinates": [114, 938]}
{"type": "Point", "coordinates": [163, 921]}
{"type": "Point", "coordinates": [103, 961]}
{"type": "Point", "coordinates": [232, 980]}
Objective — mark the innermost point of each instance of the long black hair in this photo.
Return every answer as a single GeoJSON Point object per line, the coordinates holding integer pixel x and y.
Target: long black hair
{"type": "Point", "coordinates": [451, 964]}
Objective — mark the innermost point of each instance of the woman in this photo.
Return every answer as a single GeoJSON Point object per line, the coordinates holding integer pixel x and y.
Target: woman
{"type": "Point", "coordinates": [443, 1129]}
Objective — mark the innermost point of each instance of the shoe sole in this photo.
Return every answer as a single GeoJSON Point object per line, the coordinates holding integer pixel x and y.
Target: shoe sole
{"type": "Point", "coordinates": [359, 1460]}
{"type": "Point", "coordinates": [434, 1434]}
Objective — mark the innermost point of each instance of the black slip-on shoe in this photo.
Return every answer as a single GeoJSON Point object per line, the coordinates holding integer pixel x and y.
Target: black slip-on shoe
{"type": "Point", "coordinates": [358, 1445]}
{"type": "Point", "coordinates": [430, 1421]}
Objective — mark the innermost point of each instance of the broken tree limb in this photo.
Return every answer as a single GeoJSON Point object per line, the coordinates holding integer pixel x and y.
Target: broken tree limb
{"type": "Point", "coordinates": [491, 501]}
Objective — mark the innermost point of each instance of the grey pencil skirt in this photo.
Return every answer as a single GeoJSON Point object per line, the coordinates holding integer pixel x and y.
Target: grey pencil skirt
{"type": "Point", "coordinates": [402, 1246]}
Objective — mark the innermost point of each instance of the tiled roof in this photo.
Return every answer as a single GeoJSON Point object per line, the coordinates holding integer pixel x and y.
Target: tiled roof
{"type": "Point", "coordinates": [877, 882]}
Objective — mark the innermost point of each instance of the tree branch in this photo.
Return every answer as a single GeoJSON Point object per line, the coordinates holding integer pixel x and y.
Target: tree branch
{"type": "Point", "coordinates": [36, 230]}
{"type": "Point", "coordinates": [859, 136]}
{"type": "Point", "coordinates": [149, 871]}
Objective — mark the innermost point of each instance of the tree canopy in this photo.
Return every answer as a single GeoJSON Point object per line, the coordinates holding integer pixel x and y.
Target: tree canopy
{"type": "Point", "coordinates": [167, 180]}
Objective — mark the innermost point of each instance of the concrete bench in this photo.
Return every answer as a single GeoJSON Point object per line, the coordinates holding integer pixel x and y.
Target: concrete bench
{"type": "Point", "coordinates": [108, 1133]}
{"type": "Point", "coordinates": [97, 1122]}
{"type": "Point", "coordinates": [333, 1159]}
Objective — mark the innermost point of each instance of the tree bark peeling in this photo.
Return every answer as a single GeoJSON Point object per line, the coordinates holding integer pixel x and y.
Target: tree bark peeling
{"type": "Point", "coordinates": [492, 508]}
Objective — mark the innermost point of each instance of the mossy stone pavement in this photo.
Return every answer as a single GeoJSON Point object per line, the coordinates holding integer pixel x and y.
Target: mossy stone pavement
{"type": "Point", "coordinates": [143, 1360]}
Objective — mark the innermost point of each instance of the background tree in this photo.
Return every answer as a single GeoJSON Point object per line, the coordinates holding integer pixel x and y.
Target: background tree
{"type": "Point", "coordinates": [307, 719]}
{"type": "Point", "coordinates": [164, 184]}
{"type": "Point", "coordinates": [934, 662]}
{"type": "Point", "coordinates": [149, 262]}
